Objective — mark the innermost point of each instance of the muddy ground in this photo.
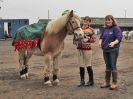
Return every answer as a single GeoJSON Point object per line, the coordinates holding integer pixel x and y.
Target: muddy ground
{"type": "Point", "coordinates": [12, 87]}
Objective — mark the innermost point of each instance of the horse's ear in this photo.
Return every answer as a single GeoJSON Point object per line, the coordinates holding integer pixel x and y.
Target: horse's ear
{"type": "Point", "coordinates": [71, 13]}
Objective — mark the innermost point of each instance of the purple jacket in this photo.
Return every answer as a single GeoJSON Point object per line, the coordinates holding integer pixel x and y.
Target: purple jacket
{"type": "Point", "coordinates": [110, 34]}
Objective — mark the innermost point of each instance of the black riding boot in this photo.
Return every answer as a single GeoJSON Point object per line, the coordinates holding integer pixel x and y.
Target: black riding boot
{"type": "Point", "coordinates": [90, 74]}
{"type": "Point", "coordinates": [82, 74]}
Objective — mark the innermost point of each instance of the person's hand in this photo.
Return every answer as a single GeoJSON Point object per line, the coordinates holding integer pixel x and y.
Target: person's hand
{"type": "Point", "coordinates": [80, 37]}
{"type": "Point", "coordinates": [100, 44]}
{"type": "Point", "coordinates": [111, 44]}
{"type": "Point", "coordinates": [85, 40]}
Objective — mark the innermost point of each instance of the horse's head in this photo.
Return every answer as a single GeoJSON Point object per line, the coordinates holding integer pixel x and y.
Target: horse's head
{"type": "Point", "coordinates": [69, 21]}
{"type": "Point", "coordinates": [73, 24]}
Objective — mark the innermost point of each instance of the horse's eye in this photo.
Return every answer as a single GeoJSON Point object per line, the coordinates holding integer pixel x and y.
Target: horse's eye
{"type": "Point", "coordinates": [73, 22]}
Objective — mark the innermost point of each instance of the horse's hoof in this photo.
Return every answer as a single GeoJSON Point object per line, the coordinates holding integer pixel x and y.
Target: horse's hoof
{"type": "Point", "coordinates": [27, 75]}
{"type": "Point", "coordinates": [48, 83]}
{"type": "Point", "coordinates": [23, 76]}
{"type": "Point", "coordinates": [56, 82]}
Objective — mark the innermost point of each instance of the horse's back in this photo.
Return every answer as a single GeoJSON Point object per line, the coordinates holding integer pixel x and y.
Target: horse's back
{"type": "Point", "coordinates": [29, 32]}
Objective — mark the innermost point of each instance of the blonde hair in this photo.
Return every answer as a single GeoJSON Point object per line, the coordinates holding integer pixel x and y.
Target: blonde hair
{"type": "Point", "coordinates": [108, 17]}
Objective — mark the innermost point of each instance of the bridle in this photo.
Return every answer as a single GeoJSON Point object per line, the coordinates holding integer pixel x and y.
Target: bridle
{"type": "Point", "coordinates": [73, 28]}
{"type": "Point", "coordinates": [75, 40]}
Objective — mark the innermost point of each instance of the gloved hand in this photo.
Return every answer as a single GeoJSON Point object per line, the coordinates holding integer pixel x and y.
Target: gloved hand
{"type": "Point", "coordinates": [85, 39]}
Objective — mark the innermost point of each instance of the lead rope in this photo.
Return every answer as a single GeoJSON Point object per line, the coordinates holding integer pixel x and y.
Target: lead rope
{"type": "Point", "coordinates": [76, 42]}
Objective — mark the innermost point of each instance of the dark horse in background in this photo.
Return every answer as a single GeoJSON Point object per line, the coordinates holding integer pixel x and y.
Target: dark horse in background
{"type": "Point", "coordinates": [51, 46]}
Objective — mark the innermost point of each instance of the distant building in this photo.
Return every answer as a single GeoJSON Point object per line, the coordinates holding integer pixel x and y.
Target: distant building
{"type": "Point", "coordinates": [8, 27]}
{"type": "Point", "coordinates": [124, 23]}
{"type": "Point", "coordinates": [44, 20]}
{"type": "Point", "coordinates": [98, 23]}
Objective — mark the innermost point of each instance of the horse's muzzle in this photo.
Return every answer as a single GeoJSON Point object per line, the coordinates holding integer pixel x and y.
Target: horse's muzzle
{"type": "Point", "coordinates": [79, 36]}
{"type": "Point", "coordinates": [79, 33]}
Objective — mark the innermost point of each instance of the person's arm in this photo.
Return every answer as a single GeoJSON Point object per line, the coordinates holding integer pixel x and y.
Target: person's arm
{"type": "Point", "coordinates": [114, 43]}
{"type": "Point", "coordinates": [100, 43]}
{"type": "Point", "coordinates": [118, 36]}
{"type": "Point", "coordinates": [90, 38]}
{"type": "Point", "coordinates": [100, 39]}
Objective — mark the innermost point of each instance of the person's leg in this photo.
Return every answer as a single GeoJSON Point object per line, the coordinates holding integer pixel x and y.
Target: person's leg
{"type": "Point", "coordinates": [113, 60]}
{"type": "Point", "coordinates": [88, 60]}
{"type": "Point", "coordinates": [81, 68]}
{"type": "Point", "coordinates": [91, 76]}
{"type": "Point", "coordinates": [107, 60]}
{"type": "Point", "coordinates": [107, 79]}
{"type": "Point", "coordinates": [107, 71]}
{"type": "Point", "coordinates": [114, 84]}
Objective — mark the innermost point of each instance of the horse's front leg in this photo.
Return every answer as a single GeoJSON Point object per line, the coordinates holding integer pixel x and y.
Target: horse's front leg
{"type": "Point", "coordinates": [56, 69]}
{"type": "Point", "coordinates": [47, 69]}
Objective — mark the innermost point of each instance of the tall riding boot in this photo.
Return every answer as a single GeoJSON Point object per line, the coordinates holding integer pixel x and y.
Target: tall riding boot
{"type": "Point", "coordinates": [90, 74]}
{"type": "Point", "coordinates": [107, 79]}
{"type": "Point", "coordinates": [114, 80]}
{"type": "Point", "coordinates": [82, 76]}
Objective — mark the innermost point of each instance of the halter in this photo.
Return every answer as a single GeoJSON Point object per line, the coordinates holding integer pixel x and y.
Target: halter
{"type": "Point", "coordinates": [75, 41]}
{"type": "Point", "coordinates": [73, 29]}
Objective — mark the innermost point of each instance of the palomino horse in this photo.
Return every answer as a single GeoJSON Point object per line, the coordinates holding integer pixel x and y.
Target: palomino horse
{"type": "Point", "coordinates": [51, 45]}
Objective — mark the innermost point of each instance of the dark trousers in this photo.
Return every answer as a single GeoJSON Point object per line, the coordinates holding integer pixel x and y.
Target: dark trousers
{"type": "Point", "coordinates": [110, 58]}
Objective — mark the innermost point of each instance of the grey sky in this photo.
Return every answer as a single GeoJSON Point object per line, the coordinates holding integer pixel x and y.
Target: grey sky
{"type": "Point", "coordinates": [35, 9]}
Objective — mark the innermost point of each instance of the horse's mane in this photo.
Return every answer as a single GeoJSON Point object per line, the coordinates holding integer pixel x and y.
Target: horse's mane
{"type": "Point", "coordinates": [56, 25]}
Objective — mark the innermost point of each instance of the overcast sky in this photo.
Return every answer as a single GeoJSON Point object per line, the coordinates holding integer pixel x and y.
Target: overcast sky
{"type": "Point", "coordinates": [35, 9]}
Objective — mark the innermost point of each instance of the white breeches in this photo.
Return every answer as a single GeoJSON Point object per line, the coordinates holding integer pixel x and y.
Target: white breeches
{"type": "Point", "coordinates": [84, 58]}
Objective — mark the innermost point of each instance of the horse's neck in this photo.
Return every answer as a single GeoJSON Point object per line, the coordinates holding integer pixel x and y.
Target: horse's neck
{"type": "Point", "coordinates": [54, 40]}
{"type": "Point", "coordinates": [62, 34]}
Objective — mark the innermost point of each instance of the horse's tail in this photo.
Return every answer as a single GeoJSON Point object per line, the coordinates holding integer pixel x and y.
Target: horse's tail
{"type": "Point", "coordinates": [13, 42]}
{"type": "Point", "coordinates": [39, 44]}
{"type": "Point", "coordinates": [14, 39]}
